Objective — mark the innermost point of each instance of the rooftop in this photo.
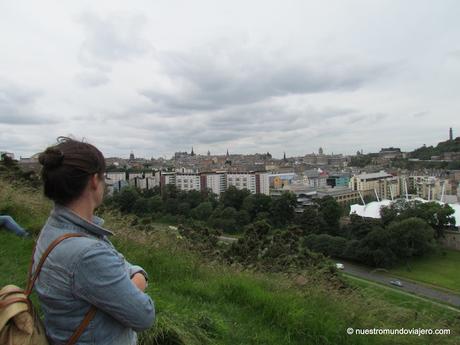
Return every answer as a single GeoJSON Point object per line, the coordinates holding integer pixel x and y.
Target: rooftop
{"type": "Point", "coordinates": [380, 174]}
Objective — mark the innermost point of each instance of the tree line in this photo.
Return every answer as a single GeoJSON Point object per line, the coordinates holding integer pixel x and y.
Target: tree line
{"type": "Point", "coordinates": [231, 212]}
{"type": "Point", "coordinates": [405, 230]}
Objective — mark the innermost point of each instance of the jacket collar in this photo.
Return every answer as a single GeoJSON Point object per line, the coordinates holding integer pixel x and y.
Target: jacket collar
{"type": "Point", "coordinates": [66, 214]}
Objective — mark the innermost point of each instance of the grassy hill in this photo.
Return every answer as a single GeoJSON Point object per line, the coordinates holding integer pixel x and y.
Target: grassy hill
{"type": "Point", "coordinates": [426, 152]}
{"type": "Point", "coordinates": [203, 302]}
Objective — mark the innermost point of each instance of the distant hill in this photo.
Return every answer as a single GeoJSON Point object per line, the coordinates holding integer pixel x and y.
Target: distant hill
{"type": "Point", "coordinates": [426, 152]}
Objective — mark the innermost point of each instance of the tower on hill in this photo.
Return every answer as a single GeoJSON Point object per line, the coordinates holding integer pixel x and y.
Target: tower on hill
{"type": "Point", "coordinates": [451, 134]}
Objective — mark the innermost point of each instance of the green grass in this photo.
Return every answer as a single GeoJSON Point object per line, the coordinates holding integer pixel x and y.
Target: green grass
{"type": "Point", "coordinates": [202, 303]}
{"type": "Point", "coordinates": [440, 269]}
{"type": "Point", "coordinates": [403, 299]}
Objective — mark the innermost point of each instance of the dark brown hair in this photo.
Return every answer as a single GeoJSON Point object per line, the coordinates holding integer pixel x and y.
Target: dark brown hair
{"type": "Point", "coordinates": [67, 168]}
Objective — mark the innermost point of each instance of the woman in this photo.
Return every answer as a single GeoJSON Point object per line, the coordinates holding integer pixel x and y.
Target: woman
{"type": "Point", "coordinates": [10, 225]}
{"type": "Point", "coordinates": [85, 272]}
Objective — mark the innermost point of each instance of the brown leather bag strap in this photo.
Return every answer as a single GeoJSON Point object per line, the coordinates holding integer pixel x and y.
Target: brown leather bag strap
{"type": "Point", "coordinates": [88, 317]}
{"type": "Point", "coordinates": [29, 272]}
{"type": "Point", "coordinates": [32, 279]}
{"type": "Point", "coordinates": [10, 292]}
{"type": "Point", "coordinates": [9, 301]}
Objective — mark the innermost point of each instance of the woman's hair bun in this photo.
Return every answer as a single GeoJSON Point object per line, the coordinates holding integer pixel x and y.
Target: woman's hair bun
{"type": "Point", "coordinates": [52, 158]}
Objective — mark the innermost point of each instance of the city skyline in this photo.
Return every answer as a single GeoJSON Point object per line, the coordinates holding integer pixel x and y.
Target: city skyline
{"type": "Point", "coordinates": [127, 153]}
{"type": "Point", "coordinates": [251, 77]}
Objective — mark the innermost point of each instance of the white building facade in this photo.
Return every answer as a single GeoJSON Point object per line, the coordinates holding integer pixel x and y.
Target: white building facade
{"type": "Point", "coordinates": [188, 182]}
{"type": "Point", "coordinates": [216, 182]}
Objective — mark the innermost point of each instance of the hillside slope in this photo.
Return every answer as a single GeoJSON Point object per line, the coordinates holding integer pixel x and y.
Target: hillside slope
{"type": "Point", "coordinates": [200, 302]}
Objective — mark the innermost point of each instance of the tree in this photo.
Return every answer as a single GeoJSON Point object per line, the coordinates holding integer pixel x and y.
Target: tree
{"type": "Point", "coordinates": [330, 211]}
{"type": "Point", "coordinates": [262, 216]}
{"type": "Point", "coordinates": [170, 206]}
{"type": "Point", "coordinates": [375, 249]}
{"type": "Point", "coordinates": [8, 161]}
{"type": "Point", "coordinates": [256, 203]}
{"type": "Point", "coordinates": [203, 211]}
{"type": "Point", "coordinates": [126, 198]}
{"type": "Point", "coordinates": [326, 244]}
{"type": "Point", "coordinates": [242, 218]}
{"type": "Point", "coordinates": [169, 191]}
{"type": "Point", "coordinates": [225, 219]}
{"type": "Point", "coordinates": [155, 204]}
{"type": "Point", "coordinates": [388, 214]}
{"type": "Point", "coordinates": [194, 198]}
{"type": "Point", "coordinates": [257, 230]}
{"type": "Point", "coordinates": [234, 197]}
{"type": "Point", "coordinates": [411, 237]}
{"type": "Point", "coordinates": [438, 216]}
{"type": "Point", "coordinates": [310, 220]}
{"type": "Point", "coordinates": [282, 209]}
{"type": "Point", "coordinates": [359, 227]}
{"type": "Point", "coordinates": [183, 208]}
{"type": "Point", "coordinates": [140, 207]}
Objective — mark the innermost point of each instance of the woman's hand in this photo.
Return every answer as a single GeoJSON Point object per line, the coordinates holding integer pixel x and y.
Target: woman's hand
{"type": "Point", "coordinates": [139, 280]}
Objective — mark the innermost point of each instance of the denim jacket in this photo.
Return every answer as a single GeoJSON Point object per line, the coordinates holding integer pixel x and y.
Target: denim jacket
{"type": "Point", "coordinates": [85, 271]}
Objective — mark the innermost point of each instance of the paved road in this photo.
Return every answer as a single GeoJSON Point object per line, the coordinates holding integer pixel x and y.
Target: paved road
{"type": "Point", "coordinates": [228, 239]}
{"type": "Point", "coordinates": [411, 287]}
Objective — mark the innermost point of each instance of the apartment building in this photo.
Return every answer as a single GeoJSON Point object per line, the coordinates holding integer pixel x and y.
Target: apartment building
{"type": "Point", "coordinates": [132, 176]}
{"type": "Point", "coordinates": [386, 186]}
{"type": "Point", "coordinates": [433, 188]}
{"type": "Point", "coordinates": [216, 182]}
{"type": "Point", "coordinates": [115, 176]}
{"type": "Point", "coordinates": [188, 182]}
{"type": "Point", "coordinates": [254, 182]}
{"type": "Point", "coordinates": [343, 195]}
{"type": "Point", "coordinates": [242, 180]}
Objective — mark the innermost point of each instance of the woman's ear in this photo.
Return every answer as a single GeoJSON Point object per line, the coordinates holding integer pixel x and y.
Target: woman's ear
{"type": "Point", "coordinates": [94, 181]}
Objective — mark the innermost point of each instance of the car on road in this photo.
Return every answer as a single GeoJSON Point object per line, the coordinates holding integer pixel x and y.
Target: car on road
{"type": "Point", "coordinates": [396, 283]}
{"type": "Point", "coordinates": [339, 266]}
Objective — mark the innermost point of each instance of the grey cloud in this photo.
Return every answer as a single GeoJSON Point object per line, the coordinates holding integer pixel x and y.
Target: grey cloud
{"type": "Point", "coordinates": [256, 122]}
{"type": "Point", "coordinates": [113, 38]}
{"type": "Point", "coordinates": [420, 114]}
{"type": "Point", "coordinates": [454, 54]}
{"type": "Point", "coordinates": [91, 79]}
{"type": "Point", "coordinates": [18, 105]}
{"type": "Point", "coordinates": [218, 79]}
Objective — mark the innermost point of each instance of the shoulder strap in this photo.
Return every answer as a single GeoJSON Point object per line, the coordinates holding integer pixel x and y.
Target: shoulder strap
{"type": "Point", "coordinates": [88, 317]}
{"type": "Point", "coordinates": [31, 282]}
{"type": "Point", "coordinates": [32, 279]}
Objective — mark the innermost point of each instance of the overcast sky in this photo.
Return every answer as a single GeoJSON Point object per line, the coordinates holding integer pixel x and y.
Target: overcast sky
{"type": "Point", "coordinates": [160, 76]}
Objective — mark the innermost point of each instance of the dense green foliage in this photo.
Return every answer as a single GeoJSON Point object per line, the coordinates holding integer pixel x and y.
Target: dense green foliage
{"type": "Point", "coordinates": [231, 213]}
{"type": "Point", "coordinates": [438, 216]}
{"type": "Point", "coordinates": [406, 230]}
{"type": "Point", "coordinates": [426, 152]}
{"type": "Point", "coordinates": [419, 158]}
{"type": "Point", "coordinates": [362, 160]}
{"type": "Point", "coordinates": [11, 172]}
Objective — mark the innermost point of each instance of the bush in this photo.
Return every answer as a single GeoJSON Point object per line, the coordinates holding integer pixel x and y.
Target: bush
{"type": "Point", "coordinates": [326, 244]}
{"type": "Point", "coordinates": [203, 211]}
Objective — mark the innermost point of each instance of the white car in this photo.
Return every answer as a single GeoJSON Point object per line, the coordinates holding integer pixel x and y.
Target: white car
{"type": "Point", "coordinates": [396, 283]}
{"type": "Point", "coordinates": [339, 266]}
